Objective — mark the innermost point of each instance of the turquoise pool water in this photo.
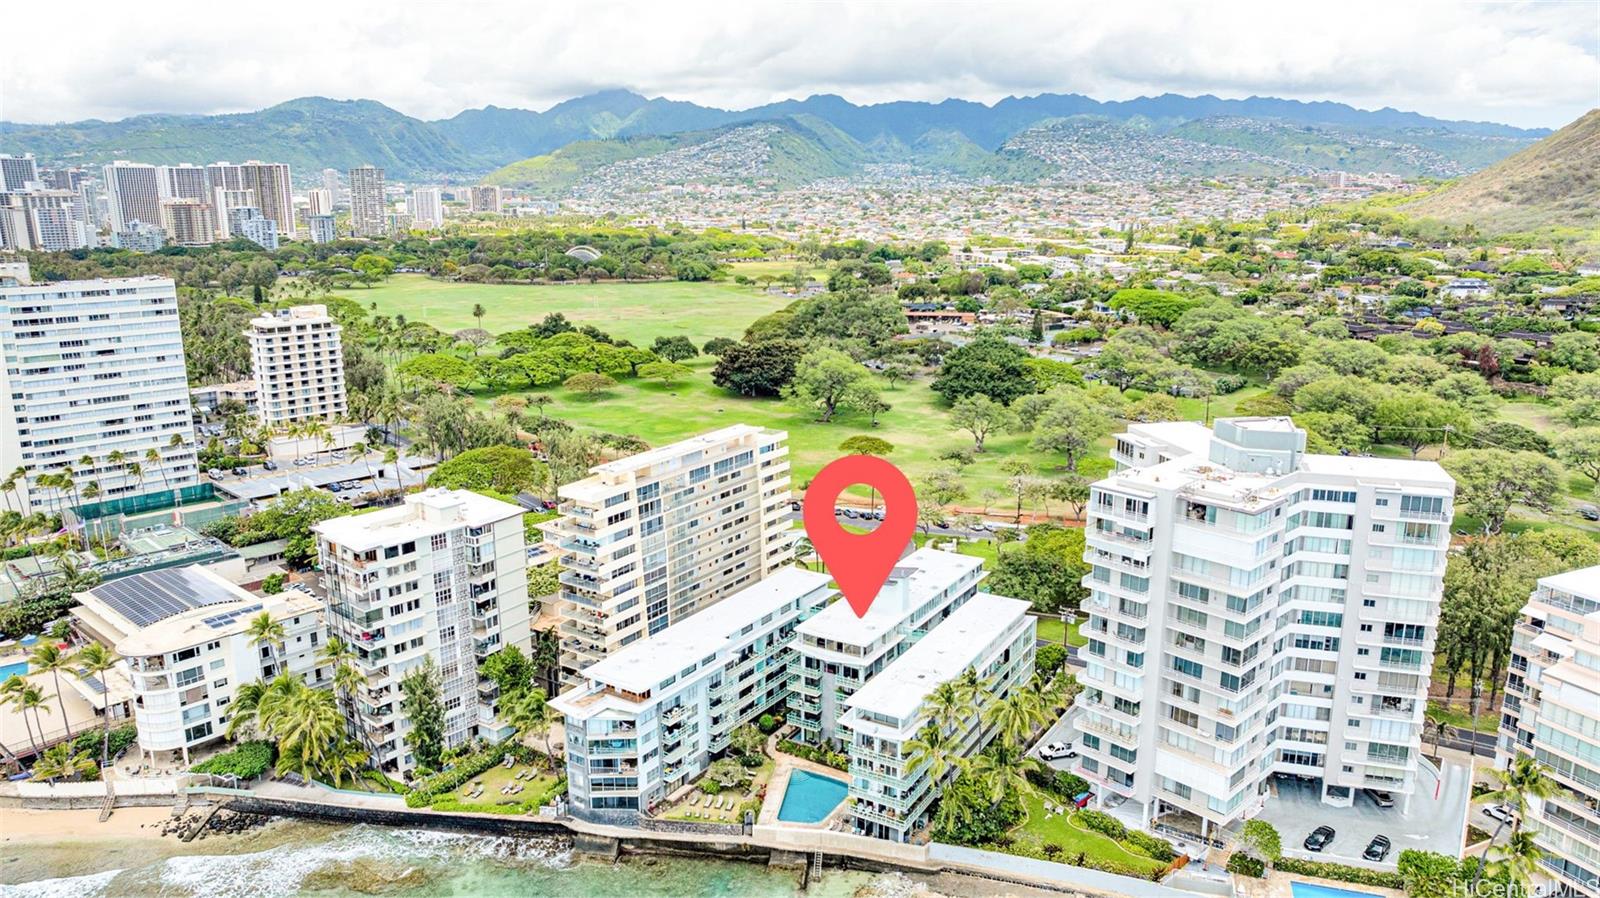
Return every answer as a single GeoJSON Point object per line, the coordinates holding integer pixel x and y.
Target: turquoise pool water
{"type": "Point", "coordinates": [810, 798]}
{"type": "Point", "coordinates": [18, 668]}
{"type": "Point", "coordinates": [1312, 890]}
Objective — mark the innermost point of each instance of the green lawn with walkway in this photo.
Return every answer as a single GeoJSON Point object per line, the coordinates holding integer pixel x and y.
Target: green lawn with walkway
{"type": "Point", "coordinates": [1061, 829]}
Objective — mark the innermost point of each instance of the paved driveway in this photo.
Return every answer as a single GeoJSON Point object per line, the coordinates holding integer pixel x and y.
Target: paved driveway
{"type": "Point", "coordinates": [1432, 822]}
{"type": "Point", "coordinates": [1061, 731]}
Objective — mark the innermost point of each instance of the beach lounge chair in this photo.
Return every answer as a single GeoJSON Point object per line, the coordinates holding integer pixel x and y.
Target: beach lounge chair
{"type": "Point", "coordinates": [694, 799]}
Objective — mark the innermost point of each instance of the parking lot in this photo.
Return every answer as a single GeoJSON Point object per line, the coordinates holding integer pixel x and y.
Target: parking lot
{"type": "Point", "coordinates": [1429, 823]}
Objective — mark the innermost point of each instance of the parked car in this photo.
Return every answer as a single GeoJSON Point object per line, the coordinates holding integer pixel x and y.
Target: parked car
{"type": "Point", "coordinates": [334, 487]}
{"type": "Point", "coordinates": [239, 472]}
{"type": "Point", "coordinates": [1082, 799]}
{"type": "Point", "coordinates": [1319, 838]}
{"type": "Point", "coordinates": [1500, 813]}
{"type": "Point", "coordinates": [214, 473]}
{"type": "Point", "coordinates": [269, 465]}
{"type": "Point", "coordinates": [1589, 512]}
{"type": "Point", "coordinates": [1056, 750]}
{"type": "Point", "coordinates": [848, 512]}
{"type": "Point", "coordinates": [1380, 798]}
{"type": "Point", "coordinates": [1377, 849]}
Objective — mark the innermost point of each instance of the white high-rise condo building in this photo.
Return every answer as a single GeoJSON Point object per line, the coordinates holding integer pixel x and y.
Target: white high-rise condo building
{"type": "Point", "coordinates": [298, 358]}
{"type": "Point", "coordinates": [42, 219]}
{"type": "Point", "coordinates": [183, 636]}
{"type": "Point", "coordinates": [322, 229]}
{"type": "Point", "coordinates": [93, 368]}
{"type": "Point", "coordinates": [17, 172]}
{"type": "Point", "coordinates": [992, 636]}
{"type": "Point", "coordinates": [443, 576]}
{"type": "Point", "coordinates": [330, 183]}
{"type": "Point", "coordinates": [427, 208]}
{"type": "Point", "coordinates": [840, 652]}
{"type": "Point", "coordinates": [133, 192]}
{"type": "Point", "coordinates": [184, 182]}
{"type": "Point", "coordinates": [319, 201]}
{"type": "Point", "coordinates": [647, 540]}
{"type": "Point", "coordinates": [139, 237]}
{"type": "Point", "coordinates": [1552, 714]}
{"type": "Point", "coordinates": [247, 222]}
{"type": "Point", "coordinates": [647, 720]}
{"type": "Point", "coordinates": [1254, 610]}
{"type": "Point", "coordinates": [369, 212]}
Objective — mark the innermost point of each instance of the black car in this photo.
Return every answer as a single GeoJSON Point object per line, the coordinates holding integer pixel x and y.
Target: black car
{"type": "Point", "coordinates": [1377, 849]}
{"type": "Point", "coordinates": [1319, 838]}
{"type": "Point", "coordinates": [240, 472]}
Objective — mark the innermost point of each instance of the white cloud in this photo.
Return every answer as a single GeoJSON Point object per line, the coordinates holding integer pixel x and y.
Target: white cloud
{"type": "Point", "coordinates": [1525, 64]}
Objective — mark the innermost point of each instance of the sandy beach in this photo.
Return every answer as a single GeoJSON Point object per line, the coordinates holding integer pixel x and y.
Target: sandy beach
{"type": "Point", "coordinates": [33, 826]}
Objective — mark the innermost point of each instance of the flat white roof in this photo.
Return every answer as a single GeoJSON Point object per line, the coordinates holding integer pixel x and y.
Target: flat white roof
{"type": "Point", "coordinates": [944, 653]}
{"type": "Point", "coordinates": [1190, 436]}
{"type": "Point", "coordinates": [1581, 582]}
{"type": "Point", "coordinates": [930, 571]}
{"type": "Point", "coordinates": [673, 450]}
{"type": "Point", "coordinates": [642, 665]}
{"type": "Point", "coordinates": [422, 514]}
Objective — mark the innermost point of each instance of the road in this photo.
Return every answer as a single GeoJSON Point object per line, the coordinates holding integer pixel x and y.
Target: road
{"type": "Point", "coordinates": [867, 523]}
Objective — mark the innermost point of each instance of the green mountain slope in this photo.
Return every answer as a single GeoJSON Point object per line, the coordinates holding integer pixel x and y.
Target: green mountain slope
{"type": "Point", "coordinates": [1553, 184]}
{"type": "Point", "coordinates": [556, 172]}
{"type": "Point", "coordinates": [1408, 152]}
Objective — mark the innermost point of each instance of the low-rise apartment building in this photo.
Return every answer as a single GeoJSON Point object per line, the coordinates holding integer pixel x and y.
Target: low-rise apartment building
{"type": "Point", "coordinates": [994, 637]}
{"type": "Point", "coordinates": [1552, 714]}
{"type": "Point", "coordinates": [1255, 609]}
{"type": "Point", "coordinates": [443, 576]}
{"type": "Point", "coordinates": [183, 634]}
{"type": "Point", "coordinates": [840, 652]}
{"type": "Point", "coordinates": [647, 719]}
{"type": "Point", "coordinates": [650, 539]}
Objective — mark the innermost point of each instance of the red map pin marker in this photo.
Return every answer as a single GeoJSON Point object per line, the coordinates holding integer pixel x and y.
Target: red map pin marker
{"type": "Point", "coordinates": [860, 562]}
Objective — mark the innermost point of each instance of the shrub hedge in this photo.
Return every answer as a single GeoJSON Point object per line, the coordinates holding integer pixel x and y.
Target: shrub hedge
{"type": "Point", "coordinates": [1245, 865]}
{"type": "Point", "coordinates": [812, 753]}
{"type": "Point", "coordinates": [1342, 872]}
{"type": "Point", "coordinates": [247, 760]}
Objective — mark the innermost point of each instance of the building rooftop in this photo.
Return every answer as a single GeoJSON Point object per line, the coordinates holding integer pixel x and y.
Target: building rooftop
{"type": "Point", "coordinates": [944, 653]}
{"type": "Point", "coordinates": [924, 573]}
{"type": "Point", "coordinates": [175, 608]}
{"type": "Point", "coordinates": [607, 474]}
{"type": "Point", "coordinates": [425, 513]}
{"type": "Point", "coordinates": [642, 665]}
{"type": "Point", "coordinates": [1581, 582]}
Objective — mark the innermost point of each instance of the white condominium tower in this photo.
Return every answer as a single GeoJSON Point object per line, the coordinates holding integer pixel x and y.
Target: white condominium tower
{"type": "Point", "coordinates": [133, 192]}
{"type": "Point", "coordinates": [184, 182]}
{"type": "Point", "coordinates": [319, 201]}
{"type": "Point", "coordinates": [43, 219]}
{"type": "Point", "coordinates": [443, 576]}
{"type": "Point", "coordinates": [427, 208]}
{"type": "Point", "coordinates": [92, 369]}
{"type": "Point", "coordinates": [486, 198]}
{"type": "Point", "coordinates": [188, 222]}
{"type": "Point", "coordinates": [647, 540]}
{"type": "Point", "coordinates": [645, 721]}
{"type": "Point", "coordinates": [298, 359]}
{"type": "Point", "coordinates": [369, 211]}
{"type": "Point", "coordinates": [839, 651]}
{"type": "Point", "coordinates": [1255, 609]}
{"type": "Point", "coordinates": [1552, 714]}
{"type": "Point", "coordinates": [17, 172]}
{"type": "Point", "coordinates": [991, 635]}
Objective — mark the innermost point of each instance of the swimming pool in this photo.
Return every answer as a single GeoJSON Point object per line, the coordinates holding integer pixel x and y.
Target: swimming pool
{"type": "Point", "coordinates": [1312, 890]}
{"type": "Point", "coordinates": [19, 668]}
{"type": "Point", "coordinates": [810, 798]}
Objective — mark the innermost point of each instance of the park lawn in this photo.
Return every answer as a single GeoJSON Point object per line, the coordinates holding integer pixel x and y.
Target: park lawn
{"type": "Point", "coordinates": [977, 548]}
{"type": "Point", "coordinates": [639, 312]}
{"type": "Point", "coordinates": [1461, 718]}
{"type": "Point", "coordinates": [1058, 829]}
{"type": "Point", "coordinates": [683, 810]}
{"type": "Point", "coordinates": [1050, 628]}
{"type": "Point", "coordinates": [918, 425]}
{"type": "Point", "coordinates": [494, 779]}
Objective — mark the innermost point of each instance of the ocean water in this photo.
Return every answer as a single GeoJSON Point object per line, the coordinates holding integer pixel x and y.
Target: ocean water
{"type": "Point", "coordinates": [312, 859]}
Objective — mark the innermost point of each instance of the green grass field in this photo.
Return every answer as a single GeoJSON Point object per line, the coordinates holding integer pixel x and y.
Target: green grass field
{"type": "Point", "coordinates": [637, 312]}
{"type": "Point", "coordinates": [1060, 829]}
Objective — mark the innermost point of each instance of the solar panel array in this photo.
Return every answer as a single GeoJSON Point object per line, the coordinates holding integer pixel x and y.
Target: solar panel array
{"type": "Point", "coordinates": [218, 621]}
{"type": "Point", "coordinates": [154, 596]}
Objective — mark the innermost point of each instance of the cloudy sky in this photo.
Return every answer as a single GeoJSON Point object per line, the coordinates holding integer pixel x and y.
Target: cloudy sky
{"type": "Point", "coordinates": [1528, 64]}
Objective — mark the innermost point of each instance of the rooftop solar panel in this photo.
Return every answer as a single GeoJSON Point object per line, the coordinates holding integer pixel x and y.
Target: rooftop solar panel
{"type": "Point", "coordinates": [154, 596]}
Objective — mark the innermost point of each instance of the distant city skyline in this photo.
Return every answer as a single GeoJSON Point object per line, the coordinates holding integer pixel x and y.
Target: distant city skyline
{"type": "Point", "coordinates": [1524, 64]}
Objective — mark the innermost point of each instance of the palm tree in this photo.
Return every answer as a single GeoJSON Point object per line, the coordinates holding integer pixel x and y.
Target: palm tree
{"type": "Point", "coordinates": [48, 656]}
{"type": "Point", "coordinates": [244, 714]}
{"type": "Point", "coordinates": [94, 660]}
{"type": "Point", "coordinates": [263, 630]}
{"type": "Point", "coordinates": [934, 748]}
{"type": "Point", "coordinates": [948, 705]}
{"type": "Point", "coordinates": [1003, 770]}
{"type": "Point", "coordinates": [478, 313]}
{"type": "Point", "coordinates": [1015, 717]}
{"type": "Point", "coordinates": [32, 698]}
{"type": "Point", "coordinates": [1435, 724]}
{"type": "Point", "coordinates": [347, 682]}
{"type": "Point", "coordinates": [305, 722]}
{"type": "Point", "coordinates": [803, 550]}
{"type": "Point", "coordinates": [152, 457]}
{"type": "Point", "coordinates": [11, 693]}
{"type": "Point", "coordinates": [346, 758]}
{"type": "Point", "coordinates": [61, 762]}
{"type": "Point", "coordinates": [529, 713]}
{"type": "Point", "coordinates": [1519, 859]}
{"type": "Point", "coordinates": [1524, 779]}
{"type": "Point", "coordinates": [136, 471]}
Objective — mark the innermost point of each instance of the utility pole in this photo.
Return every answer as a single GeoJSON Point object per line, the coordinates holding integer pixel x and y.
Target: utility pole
{"type": "Point", "coordinates": [1477, 693]}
